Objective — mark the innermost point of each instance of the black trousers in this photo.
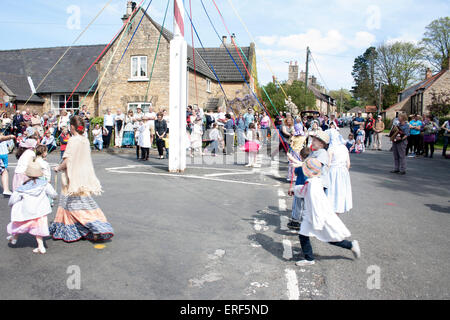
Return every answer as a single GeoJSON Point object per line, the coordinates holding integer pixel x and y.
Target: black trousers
{"type": "Point", "coordinates": [415, 143]}
{"type": "Point", "coordinates": [137, 151]}
{"type": "Point", "coordinates": [308, 251]}
{"type": "Point", "coordinates": [160, 144]}
{"type": "Point", "coordinates": [145, 153]}
{"type": "Point", "coordinates": [429, 145]}
{"type": "Point", "coordinates": [107, 139]}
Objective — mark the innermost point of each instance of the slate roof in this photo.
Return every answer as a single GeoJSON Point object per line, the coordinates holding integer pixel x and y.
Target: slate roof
{"type": "Point", "coordinates": [224, 66]}
{"type": "Point", "coordinates": [202, 65]}
{"type": "Point", "coordinates": [37, 62]}
{"type": "Point", "coordinates": [321, 96]}
{"type": "Point", "coordinates": [425, 84]}
{"type": "Point", "coordinates": [414, 89]}
{"type": "Point", "coordinates": [19, 87]}
{"type": "Point", "coordinates": [17, 65]}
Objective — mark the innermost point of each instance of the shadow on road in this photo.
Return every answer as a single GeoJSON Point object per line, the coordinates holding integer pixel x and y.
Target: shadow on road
{"type": "Point", "coordinates": [439, 208]}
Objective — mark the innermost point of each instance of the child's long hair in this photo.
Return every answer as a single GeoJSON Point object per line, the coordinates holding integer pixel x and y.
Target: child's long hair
{"type": "Point", "coordinates": [20, 151]}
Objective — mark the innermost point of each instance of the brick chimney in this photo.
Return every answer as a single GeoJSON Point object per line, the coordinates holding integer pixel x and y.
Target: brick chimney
{"type": "Point", "coordinates": [224, 41]}
{"type": "Point", "coordinates": [428, 74]}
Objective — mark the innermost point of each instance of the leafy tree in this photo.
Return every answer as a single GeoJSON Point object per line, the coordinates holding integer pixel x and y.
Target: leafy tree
{"type": "Point", "coordinates": [436, 42]}
{"type": "Point", "coordinates": [364, 75]}
{"type": "Point", "coordinates": [398, 64]}
{"type": "Point", "coordinates": [297, 93]}
{"type": "Point", "coordinates": [348, 102]}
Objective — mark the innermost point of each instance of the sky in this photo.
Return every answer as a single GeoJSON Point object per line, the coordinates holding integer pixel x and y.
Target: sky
{"type": "Point", "coordinates": [337, 31]}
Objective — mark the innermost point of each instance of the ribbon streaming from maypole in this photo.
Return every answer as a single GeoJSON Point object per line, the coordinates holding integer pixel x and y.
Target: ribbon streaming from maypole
{"type": "Point", "coordinates": [253, 40]}
{"type": "Point", "coordinates": [209, 64]}
{"type": "Point", "coordinates": [157, 49]}
{"type": "Point", "coordinates": [96, 60]}
{"type": "Point", "coordinates": [245, 80]}
{"type": "Point", "coordinates": [126, 49]}
{"type": "Point", "coordinates": [67, 50]}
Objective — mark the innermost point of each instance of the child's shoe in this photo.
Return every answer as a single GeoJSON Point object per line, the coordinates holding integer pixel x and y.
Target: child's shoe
{"type": "Point", "coordinates": [12, 240]}
{"type": "Point", "coordinates": [355, 249]}
{"type": "Point", "coordinates": [39, 250]}
{"type": "Point", "coordinates": [305, 263]}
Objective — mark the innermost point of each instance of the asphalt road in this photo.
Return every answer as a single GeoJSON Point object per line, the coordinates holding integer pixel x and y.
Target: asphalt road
{"type": "Point", "coordinates": [218, 232]}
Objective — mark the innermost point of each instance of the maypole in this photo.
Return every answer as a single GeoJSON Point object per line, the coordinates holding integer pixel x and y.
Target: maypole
{"type": "Point", "coordinates": [178, 92]}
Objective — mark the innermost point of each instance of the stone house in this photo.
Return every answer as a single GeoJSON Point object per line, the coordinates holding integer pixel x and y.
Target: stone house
{"type": "Point", "coordinates": [417, 98]}
{"type": "Point", "coordinates": [125, 85]}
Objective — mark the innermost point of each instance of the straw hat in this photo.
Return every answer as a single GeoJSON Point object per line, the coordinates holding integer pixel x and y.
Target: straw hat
{"type": "Point", "coordinates": [312, 168]}
{"type": "Point", "coordinates": [34, 170]}
{"type": "Point", "coordinates": [323, 136]}
{"type": "Point", "coordinates": [28, 144]}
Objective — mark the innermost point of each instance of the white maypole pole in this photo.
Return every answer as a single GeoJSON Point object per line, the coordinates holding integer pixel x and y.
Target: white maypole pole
{"type": "Point", "coordinates": [177, 94]}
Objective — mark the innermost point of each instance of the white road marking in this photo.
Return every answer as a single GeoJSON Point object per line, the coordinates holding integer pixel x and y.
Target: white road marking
{"type": "Point", "coordinates": [292, 285]}
{"type": "Point", "coordinates": [287, 249]}
{"type": "Point", "coordinates": [283, 223]}
{"type": "Point", "coordinates": [173, 175]}
{"type": "Point", "coordinates": [282, 205]}
{"type": "Point", "coordinates": [228, 174]}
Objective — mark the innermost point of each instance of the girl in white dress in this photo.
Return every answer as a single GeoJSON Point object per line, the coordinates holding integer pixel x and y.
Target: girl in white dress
{"type": "Point", "coordinates": [145, 138]}
{"type": "Point", "coordinates": [196, 137]}
{"type": "Point", "coordinates": [319, 219]}
{"type": "Point", "coordinates": [340, 188]}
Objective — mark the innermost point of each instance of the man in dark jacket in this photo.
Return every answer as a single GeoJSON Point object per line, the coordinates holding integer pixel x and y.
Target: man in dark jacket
{"type": "Point", "coordinates": [17, 121]}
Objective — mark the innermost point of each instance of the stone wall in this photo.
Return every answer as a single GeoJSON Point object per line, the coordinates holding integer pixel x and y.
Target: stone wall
{"type": "Point", "coordinates": [440, 85]}
{"type": "Point", "coordinates": [116, 88]}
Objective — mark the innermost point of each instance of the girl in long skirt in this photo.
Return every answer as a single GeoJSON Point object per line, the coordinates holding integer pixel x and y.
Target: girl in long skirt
{"type": "Point", "coordinates": [79, 216]}
{"type": "Point", "coordinates": [319, 219]}
{"type": "Point", "coordinates": [340, 188]}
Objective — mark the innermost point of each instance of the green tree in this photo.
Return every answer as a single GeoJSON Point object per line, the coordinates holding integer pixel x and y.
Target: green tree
{"type": "Point", "coordinates": [364, 75]}
{"type": "Point", "coordinates": [344, 95]}
{"type": "Point", "coordinates": [296, 91]}
{"type": "Point", "coordinates": [436, 42]}
{"type": "Point", "coordinates": [398, 64]}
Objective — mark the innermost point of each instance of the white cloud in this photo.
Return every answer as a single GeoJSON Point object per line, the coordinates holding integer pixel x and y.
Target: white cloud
{"type": "Point", "coordinates": [362, 40]}
{"type": "Point", "coordinates": [269, 41]}
{"type": "Point", "coordinates": [404, 38]}
{"type": "Point", "coordinates": [331, 41]}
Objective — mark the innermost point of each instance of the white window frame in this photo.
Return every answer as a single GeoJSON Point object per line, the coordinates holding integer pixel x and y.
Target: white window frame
{"type": "Point", "coordinates": [139, 65]}
{"type": "Point", "coordinates": [56, 104]}
{"type": "Point", "coordinates": [208, 85]}
{"type": "Point", "coordinates": [134, 105]}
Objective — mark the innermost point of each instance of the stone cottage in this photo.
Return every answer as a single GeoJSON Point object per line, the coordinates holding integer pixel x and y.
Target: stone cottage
{"type": "Point", "coordinates": [417, 98]}
{"type": "Point", "coordinates": [122, 85]}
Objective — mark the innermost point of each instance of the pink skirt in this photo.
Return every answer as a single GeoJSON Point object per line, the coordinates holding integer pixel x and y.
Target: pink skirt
{"type": "Point", "coordinates": [251, 146]}
{"type": "Point", "coordinates": [18, 180]}
{"type": "Point", "coordinates": [35, 227]}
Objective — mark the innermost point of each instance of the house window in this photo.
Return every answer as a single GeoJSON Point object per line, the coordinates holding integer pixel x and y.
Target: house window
{"type": "Point", "coordinates": [139, 68]}
{"type": "Point", "coordinates": [134, 105]}
{"type": "Point", "coordinates": [58, 101]}
{"type": "Point", "coordinates": [208, 85]}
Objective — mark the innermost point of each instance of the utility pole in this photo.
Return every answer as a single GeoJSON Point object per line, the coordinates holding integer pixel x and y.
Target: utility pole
{"type": "Point", "coordinates": [380, 101]}
{"type": "Point", "coordinates": [307, 71]}
{"type": "Point", "coordinates": [340, 106]}
{"type": "Point", "coordinates": [178, 92]}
